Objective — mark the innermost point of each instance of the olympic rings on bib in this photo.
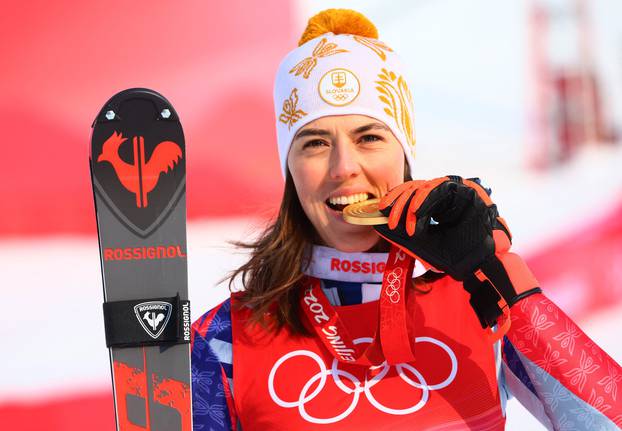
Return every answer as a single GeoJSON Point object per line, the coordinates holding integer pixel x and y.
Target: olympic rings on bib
{"type": "Point", "coordinates": [359, 387]}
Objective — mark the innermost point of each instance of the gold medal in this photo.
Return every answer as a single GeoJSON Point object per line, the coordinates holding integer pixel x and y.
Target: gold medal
{"type": "Point", "coordinates": [364, 213]}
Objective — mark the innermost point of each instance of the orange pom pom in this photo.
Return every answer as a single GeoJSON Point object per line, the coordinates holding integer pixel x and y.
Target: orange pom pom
{"type": "Point", "coordinates": [338, 21]}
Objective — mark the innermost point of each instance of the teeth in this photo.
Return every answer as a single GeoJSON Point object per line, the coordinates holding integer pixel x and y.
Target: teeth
{"type": "Point", "coordinates": [347, 200]}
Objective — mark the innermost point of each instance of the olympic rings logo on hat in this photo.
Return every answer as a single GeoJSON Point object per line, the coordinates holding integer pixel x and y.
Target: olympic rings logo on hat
{"type": "Point", "coordinates": [339, 87]}
{"type": "Point", "coordinates": [393, 285]}
{"type": "Point", "coordinates": [359, 387]}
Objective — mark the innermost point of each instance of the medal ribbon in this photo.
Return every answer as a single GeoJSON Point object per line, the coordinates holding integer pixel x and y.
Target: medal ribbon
{"type": "Point", "coordinates": [391, 332]}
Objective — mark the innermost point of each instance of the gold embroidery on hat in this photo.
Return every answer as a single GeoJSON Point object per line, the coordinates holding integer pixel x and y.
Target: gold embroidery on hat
{"type": "Point", "coordinates": [290, 114]}
{"type": "Point", "coordinates": [375, 45]}
{"type": "Point", "coordinates": [322, 49]}
{"type": "Point", "coordinates": [394, 93]}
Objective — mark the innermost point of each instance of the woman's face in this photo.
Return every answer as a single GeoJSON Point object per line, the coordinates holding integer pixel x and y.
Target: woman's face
{"type": "Point", "coordinates": [338, 160]}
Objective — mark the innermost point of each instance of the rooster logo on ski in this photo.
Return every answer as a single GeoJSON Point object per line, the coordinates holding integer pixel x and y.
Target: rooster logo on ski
{"type": "Point", "coordinates": [142, 176]}
{"type": "Point", "coordinates": [153, 320]}
{"type": "Point", "coordinates": [153, 316]}
{"type": "Point", "coordinates": [139, 171]}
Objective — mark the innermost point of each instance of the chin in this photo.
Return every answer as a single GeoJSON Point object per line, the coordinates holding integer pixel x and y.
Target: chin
{"type": "Point", "coordinates": [355, 242]}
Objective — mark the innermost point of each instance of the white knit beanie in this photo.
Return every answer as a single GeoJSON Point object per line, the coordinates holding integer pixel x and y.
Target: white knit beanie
{"type": "Point", "coordinates": [341, 68]}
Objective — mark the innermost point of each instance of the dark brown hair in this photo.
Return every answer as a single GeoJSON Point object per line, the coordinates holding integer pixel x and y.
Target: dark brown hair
{"type": "Point", "coordinates": [273, 273]}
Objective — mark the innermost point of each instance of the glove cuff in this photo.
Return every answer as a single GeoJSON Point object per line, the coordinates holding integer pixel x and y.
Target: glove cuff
{"type": "Point", "coordinates": [509, 274]}
{"type": "Point", "coordinates": [501, 281]}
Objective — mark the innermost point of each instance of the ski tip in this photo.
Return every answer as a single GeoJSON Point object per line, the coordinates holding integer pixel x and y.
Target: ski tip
{"type": "Point", "coordinates": [110, 110]}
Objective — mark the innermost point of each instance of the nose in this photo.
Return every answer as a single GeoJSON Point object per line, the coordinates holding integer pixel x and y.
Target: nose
{"type": "Point", "coordinates": [344, 161]}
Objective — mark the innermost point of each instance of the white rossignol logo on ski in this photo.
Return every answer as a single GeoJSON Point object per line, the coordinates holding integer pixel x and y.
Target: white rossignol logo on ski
{"type": "Point", "coordinates": [185, 307]}
{"type": "Point", "coordinates": [153, 316]}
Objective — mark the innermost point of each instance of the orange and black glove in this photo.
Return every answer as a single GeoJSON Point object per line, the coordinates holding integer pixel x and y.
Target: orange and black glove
{"type": "Point", "coordinates": [452, 225]}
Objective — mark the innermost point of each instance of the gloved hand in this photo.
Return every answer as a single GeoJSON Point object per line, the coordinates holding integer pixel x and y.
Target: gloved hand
{"type": "Point", "coordinates": [452, 224]}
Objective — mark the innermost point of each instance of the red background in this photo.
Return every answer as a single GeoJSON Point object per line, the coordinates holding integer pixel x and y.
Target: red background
{"type": "Point", "coordinates": [214, 61]}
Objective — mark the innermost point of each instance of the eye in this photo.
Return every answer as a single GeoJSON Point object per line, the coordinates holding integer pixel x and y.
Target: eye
{"type": "Point", "coordinates": [313, 143]}
{"type": "Point", "coordinates": [370, 138]}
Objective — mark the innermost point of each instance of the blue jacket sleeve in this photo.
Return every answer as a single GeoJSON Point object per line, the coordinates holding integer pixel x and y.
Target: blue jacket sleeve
{"type": "Point", "coordinates": [212, 371]}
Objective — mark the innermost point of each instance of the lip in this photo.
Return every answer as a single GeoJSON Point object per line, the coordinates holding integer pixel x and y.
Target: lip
{"type": "Point", "coordinates": [334, 213]}
{"type": "Point", "coordinates": [338, 215]}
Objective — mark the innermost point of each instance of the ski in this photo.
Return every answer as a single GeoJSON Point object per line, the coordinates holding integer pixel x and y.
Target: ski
{"type": "Point", "coordinates": [138, 172]}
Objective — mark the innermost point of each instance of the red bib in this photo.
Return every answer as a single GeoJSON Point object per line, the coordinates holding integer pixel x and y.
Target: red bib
{"type": "Point", "coordinates": [287, 382]}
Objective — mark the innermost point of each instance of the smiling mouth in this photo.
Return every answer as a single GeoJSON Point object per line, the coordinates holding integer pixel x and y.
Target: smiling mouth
{"type": "Point", "coordinates": [344, 202]}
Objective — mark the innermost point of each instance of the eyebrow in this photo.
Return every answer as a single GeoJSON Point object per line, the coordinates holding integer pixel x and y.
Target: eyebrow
{"type": "Point", "coordinates": [368, 127]}
{"type": "Point", "coordinates": [323, 132]}
{"type": "Point", "coordinates": [311, 132]}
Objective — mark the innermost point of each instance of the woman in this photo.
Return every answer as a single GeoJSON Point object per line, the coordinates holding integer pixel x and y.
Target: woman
{"type": "Point", "coordinates": [333, 332]}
